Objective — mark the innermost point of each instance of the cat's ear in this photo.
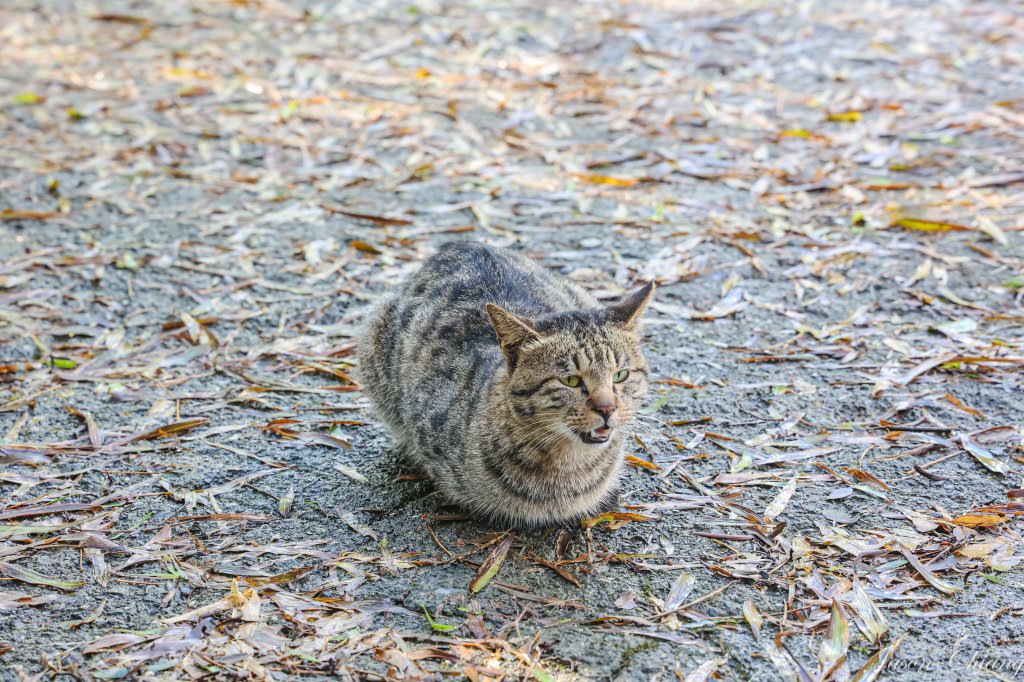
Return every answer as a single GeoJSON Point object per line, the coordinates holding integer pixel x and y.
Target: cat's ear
{"type": "Point", "coordinates": [513, 331]}
{"type": "Point", "coordinates": [628, 312]}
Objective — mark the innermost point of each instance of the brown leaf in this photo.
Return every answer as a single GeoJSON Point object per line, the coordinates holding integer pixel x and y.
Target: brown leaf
{"type": "Point", "coordinates": [566, 575]}
{"type": "Point", "coordinates": [45, 509]}
{"type": "Point", "coordinates": [112, 642]}
{"type": "Point", "coordinates": [380, 220]}
{"type": "Point", "coordinates": [11, 214]}
{"type": "Point", "coordinates": [171, 429]}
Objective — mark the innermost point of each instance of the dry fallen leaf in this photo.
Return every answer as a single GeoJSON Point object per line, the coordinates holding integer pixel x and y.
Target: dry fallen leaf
{"type": "Point", "coordinates": [490, 567]}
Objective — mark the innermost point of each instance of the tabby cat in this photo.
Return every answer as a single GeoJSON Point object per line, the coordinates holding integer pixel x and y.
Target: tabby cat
{"type": "Point", "coordinates": [511, 388]}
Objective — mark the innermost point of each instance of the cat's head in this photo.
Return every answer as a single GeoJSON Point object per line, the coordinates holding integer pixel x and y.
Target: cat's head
{"type": "Point", "coordinates": [575, 377]}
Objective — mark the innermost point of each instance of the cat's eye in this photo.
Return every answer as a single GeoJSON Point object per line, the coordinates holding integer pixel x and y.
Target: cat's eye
{"type": "Point", "coordinates": [572, 381]}
{"type": "Point", "coordinates": [620, 376]}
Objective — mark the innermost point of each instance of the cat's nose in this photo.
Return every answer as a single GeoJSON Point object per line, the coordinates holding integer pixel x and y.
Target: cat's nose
{"type": "Point", "coordinates": [604, 408]}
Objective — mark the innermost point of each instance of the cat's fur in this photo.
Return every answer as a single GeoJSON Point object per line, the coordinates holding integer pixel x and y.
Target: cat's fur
{"type": "Point", "coordinates": [463, 363]}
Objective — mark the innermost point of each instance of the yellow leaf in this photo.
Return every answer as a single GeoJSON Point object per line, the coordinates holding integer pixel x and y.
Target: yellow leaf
{"type": "Point", "coordinates": [806, 134]}
{"type": "Point", "coordinates": [606, 180]}
{"type": "Point", "coordinates": [632, 460]}
{"type": "Point", "coordinates": [979, 520]}
{"type": "Point", "coordinates": [927, 225]}
{"type": "Point", "coordinates": [365, 247]}
{"type": "Point", "coordinates": [845, 116]}
{"type": "Point", "coordinates": [28, 98]}
{"type": "Point", "coordinates": [617, 519]}
{"type": "Point", "coordinates": [980, 550]}
{"type": "Point", "coordinates": [178, 72]}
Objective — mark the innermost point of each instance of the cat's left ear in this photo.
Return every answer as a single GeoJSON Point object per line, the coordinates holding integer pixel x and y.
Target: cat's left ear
{"type": "Point", "coordinates": [628, 313]}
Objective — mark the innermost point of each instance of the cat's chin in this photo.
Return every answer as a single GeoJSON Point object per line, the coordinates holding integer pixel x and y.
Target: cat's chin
{"type": "Point", "coordinates": [598, 436]}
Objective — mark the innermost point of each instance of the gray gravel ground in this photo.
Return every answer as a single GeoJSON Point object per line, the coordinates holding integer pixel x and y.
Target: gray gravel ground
{"type": "Point", "coordinates": [214, 159]}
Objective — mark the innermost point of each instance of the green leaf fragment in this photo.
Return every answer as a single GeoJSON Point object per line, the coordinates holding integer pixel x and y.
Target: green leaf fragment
{"type": "Point", "coordinates": [541, 675]}
{"type": "Point", "coordinates": [657, 404]}
{"type": "Point", "coordinates": [28, 98]}
{"type": "Point", "coordinates": [440, 627]}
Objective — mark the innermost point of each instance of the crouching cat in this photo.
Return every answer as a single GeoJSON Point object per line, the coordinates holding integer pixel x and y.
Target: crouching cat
{"type": "Point", "coordinates": [511, 388]}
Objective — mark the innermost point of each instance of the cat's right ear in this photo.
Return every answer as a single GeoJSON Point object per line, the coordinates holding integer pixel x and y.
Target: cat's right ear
{"type": "Point", "coordinates": [512, 330]}
{"type": "Point", "coordinates": [628, 313]}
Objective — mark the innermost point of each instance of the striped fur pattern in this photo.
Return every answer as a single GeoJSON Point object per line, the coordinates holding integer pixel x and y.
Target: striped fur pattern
{"type": "Point", "coordinates": [472, 365]}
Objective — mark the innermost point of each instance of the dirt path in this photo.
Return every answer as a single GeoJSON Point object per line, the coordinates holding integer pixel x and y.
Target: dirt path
{"type": "Point", "coordinates": [198, 202]}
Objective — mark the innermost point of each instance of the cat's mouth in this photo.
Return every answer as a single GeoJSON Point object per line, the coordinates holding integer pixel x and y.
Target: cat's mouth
{"type": "Point", "coordinates": [596, 436]}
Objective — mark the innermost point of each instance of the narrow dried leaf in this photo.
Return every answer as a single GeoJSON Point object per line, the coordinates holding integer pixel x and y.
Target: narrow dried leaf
{"type": "Point", "coordinates": [323, 439]}
{"type": "Point", "coordinates": [987, 459]}
{"type": "Point", "coordinates": [113, 642]}
{"type": "Point", "coordinates": [876, 664]}
{"type": "Point", "coordinates": [380, 220]}
{"type": "Point", "coordinates": [29, 576]}
{"type": "Point", "coordinates": [933, 580]}
{"type": "Point", "coordinates": [95, 435]}
{"type": "Point", "coordinates": [490, 567]}
{"type": "Point", "coordinates": [680, 591]}
{"type": "Point", "coordinates": [10, 600]}
{"type": "Point", "coordinates": [171, 429]}
{"type": "Point", "coordinates": [11, 214]}
{"type": "Point", "coordinates": [617, 519]}
{"type": "Point", "coordinates": [989, 227]}
{"type": "Point", "coordinates": [789, 668]}
{"type": "Point", "coordinates": [350, 519]}
{"type": "Point", "coordinates": [869, 618]}
{"type": "Point", "coordinates": [235, 599]}
{"type": "Point", "coordinates": [282, 579]}
{"type": "Point", "coordinates": [754, 618]}
{"type": "Point", "coordinates": [45, 509]}
{"type": "Point", "coordinates": [845, 116]}
{"type": "Point", "coordinates": [705, 670]}
{"type": "Point", "coordinates": [778, 505]}
{"type": "Point", "coordinates": [836, 642]}
{"type": "Point", "coordinates": [284, 505]}
{"type": "Point", "coordinates": [351, 473]}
